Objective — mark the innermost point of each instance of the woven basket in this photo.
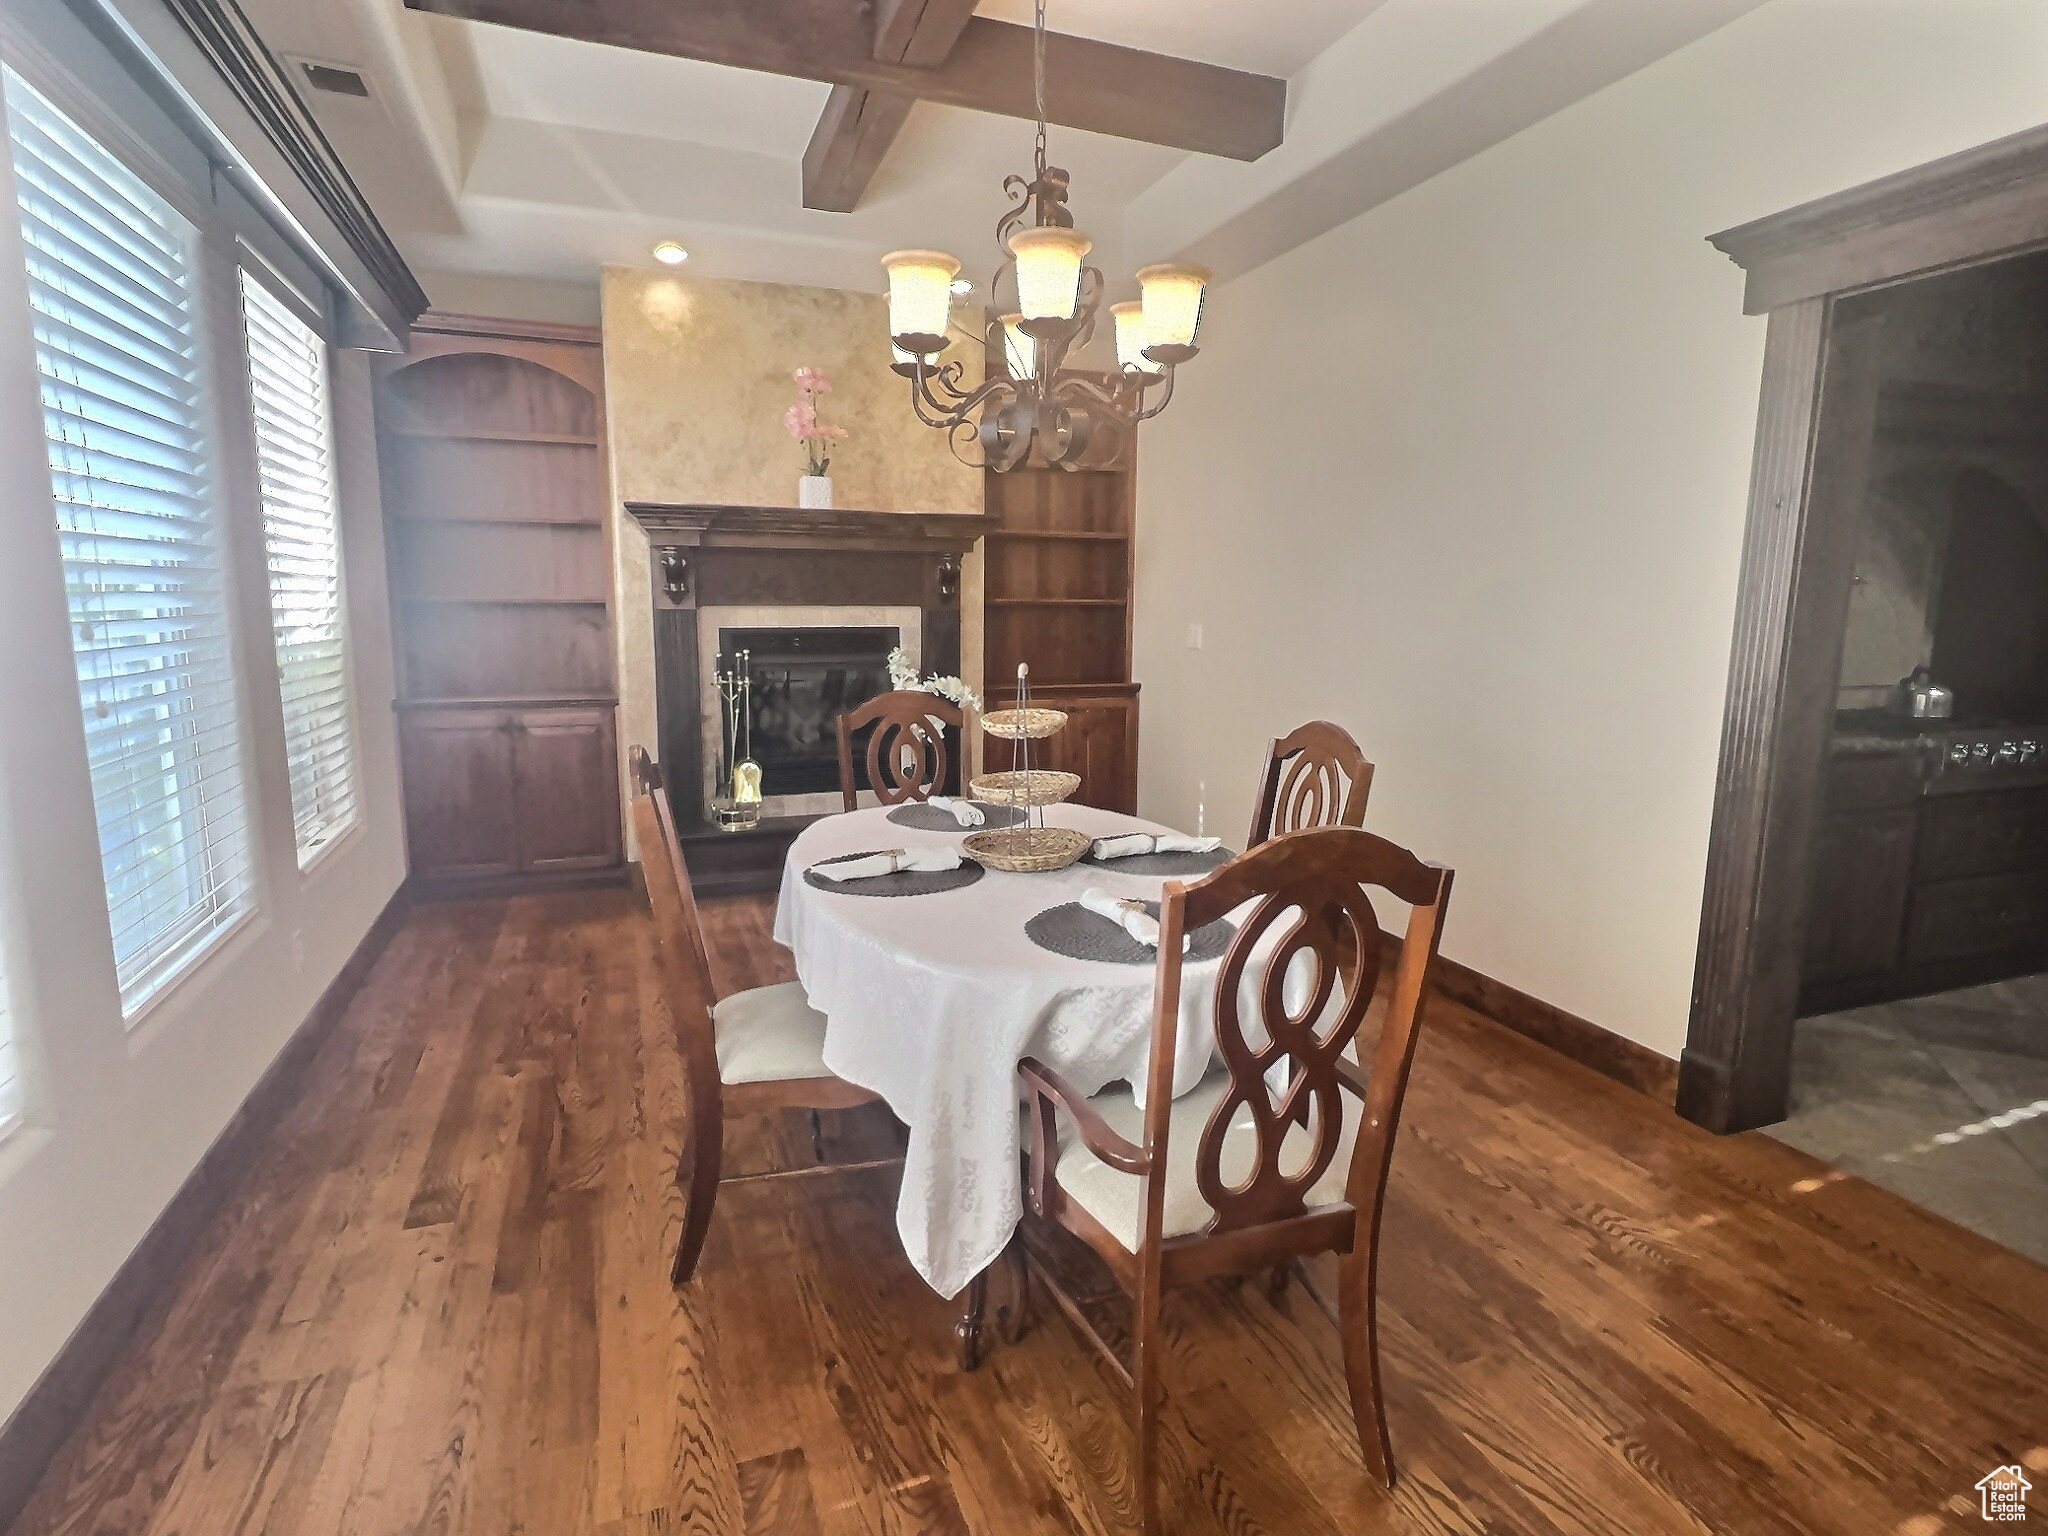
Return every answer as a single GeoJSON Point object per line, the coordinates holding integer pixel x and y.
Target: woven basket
{"type": "Point", "coordinates": [1024, 724]}
{"type": "Point", "coordinates": [1025, 786]}
{"type": "Point", "coordinates": [1026, 850]}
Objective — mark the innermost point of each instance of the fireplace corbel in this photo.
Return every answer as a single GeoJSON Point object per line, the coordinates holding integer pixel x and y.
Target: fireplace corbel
{"type": "Point", "coordinates": [766, 557]}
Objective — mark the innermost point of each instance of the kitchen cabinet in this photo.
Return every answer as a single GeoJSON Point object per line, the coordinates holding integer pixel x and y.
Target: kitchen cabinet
{"type": "Point", "coordinates": [1914, 893]}
{"type": "Point", "coordinates": [1862, 878]}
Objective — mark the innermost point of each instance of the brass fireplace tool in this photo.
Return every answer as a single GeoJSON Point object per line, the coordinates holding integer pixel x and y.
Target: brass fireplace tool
{"type": "Point", "coordinates": [739, 808]}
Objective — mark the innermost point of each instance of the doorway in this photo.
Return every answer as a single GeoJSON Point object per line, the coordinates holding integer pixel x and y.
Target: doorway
{"type": "Point", "coordinates": [1822, 273]}
{"type": "Point", "coordinates": [1919, 1057]}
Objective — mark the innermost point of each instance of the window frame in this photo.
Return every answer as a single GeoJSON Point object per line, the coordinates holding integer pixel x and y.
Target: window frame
{"type": "Point", "coordinates": [252, 265]}
{"type": "Point", "coordinates": [209, 252]}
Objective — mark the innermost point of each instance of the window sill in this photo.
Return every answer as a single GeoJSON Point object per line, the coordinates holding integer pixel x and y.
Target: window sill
{"type": "Point", "coordinates": [321, 856]}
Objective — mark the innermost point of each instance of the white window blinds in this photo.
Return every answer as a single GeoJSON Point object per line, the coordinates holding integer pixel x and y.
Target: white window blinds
{"type": "Point", "coordinates": [112, 286]}
{"type": "Point", "coordinates": [295, 455]}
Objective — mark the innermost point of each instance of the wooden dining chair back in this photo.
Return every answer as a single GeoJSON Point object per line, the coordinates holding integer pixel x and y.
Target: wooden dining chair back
{"type": "Point", "coordinates": [752, 1052]}
{"type": "Point", "coordinates": [906, 756]}
{"type": "Point", "coordinates": [1282, 1151]}
{"type": "Point", "coordinates": [1316, 776]}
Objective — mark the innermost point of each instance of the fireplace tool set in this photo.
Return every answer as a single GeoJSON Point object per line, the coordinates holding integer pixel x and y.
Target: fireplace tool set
{"type": "Point", "coordinates": [739, 808]}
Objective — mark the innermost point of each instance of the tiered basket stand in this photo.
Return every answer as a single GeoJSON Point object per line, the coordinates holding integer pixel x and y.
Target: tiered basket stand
{"type": "Point", "coordinates": [1033, 848]}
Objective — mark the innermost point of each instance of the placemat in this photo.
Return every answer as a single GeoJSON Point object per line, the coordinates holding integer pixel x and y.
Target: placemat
{"type": "Point", "coordinates": [1164, 863]}
{"type": "Point", "coordinates": [908, 882]}
{"type": "Point", "coordinates": [929, 818]}
{"type": "Point", "coordinates": [1070, 929]}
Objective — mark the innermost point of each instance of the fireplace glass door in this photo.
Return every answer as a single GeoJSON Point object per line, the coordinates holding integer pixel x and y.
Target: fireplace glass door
{"type": "Point", "coordinates": [803, 680]}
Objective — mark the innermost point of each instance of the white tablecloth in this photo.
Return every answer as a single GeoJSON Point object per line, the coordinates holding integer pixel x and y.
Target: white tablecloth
{"type": "Point", "coordinates": [931, 1001]}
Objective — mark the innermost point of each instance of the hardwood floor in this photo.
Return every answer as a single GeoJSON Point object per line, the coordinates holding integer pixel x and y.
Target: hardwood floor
{"type": "Point", "coordinates": [440, 1306]}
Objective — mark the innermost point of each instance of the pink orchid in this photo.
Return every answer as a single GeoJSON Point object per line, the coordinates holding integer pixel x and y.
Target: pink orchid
{"type": "Point", "coordinates": [801, 420]}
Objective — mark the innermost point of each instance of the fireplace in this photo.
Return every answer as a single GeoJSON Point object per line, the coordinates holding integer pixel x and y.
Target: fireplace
{"type": "Point", "coordinates": [803, 680]}
{"type": "Point", "coordinates": [819, 598]}
{"type": "Point", "coordinates": [810, 662]}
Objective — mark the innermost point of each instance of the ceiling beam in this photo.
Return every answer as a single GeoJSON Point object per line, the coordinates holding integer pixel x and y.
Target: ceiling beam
{"type": "Point", "coordinates": [1101, 87]}
{"type": "Point", "coordinates": [858, 125]}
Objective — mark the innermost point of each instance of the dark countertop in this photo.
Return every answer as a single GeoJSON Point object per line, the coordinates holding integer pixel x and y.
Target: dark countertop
{"type": "Point", "coordinates": [1876, 733]}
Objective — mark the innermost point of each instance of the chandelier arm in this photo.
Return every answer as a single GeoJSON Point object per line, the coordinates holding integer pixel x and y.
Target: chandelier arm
{"type": "Point", "coordinates": [1112, 403]}
{"type": "Point", "coordinates": [943, 383]}
{"type": "Point", "coordinates": [937, 413]}
{"type": "Point", "coordinates": [1147, 412]}
{"type": "Point", "coordinates": [964, 430]}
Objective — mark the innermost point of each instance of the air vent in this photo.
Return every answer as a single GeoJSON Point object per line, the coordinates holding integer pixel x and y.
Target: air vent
{"type": "Point", "coordinates": [334, 79]}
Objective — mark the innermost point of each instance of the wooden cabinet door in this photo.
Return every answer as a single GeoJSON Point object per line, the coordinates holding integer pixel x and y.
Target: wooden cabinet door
{"type": "Point", "coordinates": [458, 794]}
{"type": "Point", "coordinates": [1862, 873]}
{"type": "Point", "coordinates": [565, 771]}
{"type": "Point", "coordinates": [1100, 743]}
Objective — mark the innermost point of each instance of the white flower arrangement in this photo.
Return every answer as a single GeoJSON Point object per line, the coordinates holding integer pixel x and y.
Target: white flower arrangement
{"type": "Point", "coordinates": [903, 676]}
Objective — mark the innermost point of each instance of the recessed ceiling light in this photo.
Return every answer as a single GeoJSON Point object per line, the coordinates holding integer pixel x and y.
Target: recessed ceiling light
{"type": "Point", "coordinates": [962, 286]}
{"type": "Point", "coordinates": [670, 254]}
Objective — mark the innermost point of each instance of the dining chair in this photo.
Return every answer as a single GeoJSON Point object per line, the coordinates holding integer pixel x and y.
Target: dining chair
{"type": "Point", "coordinates": [1237, 1175]}
{"type": "Point", "coordinates": [754, 1052]}
{"type": "Point", "coordinates": [906, 753]}
{"type": "Point", "coordinates": [1316, 776]}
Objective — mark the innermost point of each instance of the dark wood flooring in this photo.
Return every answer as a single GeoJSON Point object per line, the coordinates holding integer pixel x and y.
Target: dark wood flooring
{"type": "Point", "coordinates": [440, 1306]}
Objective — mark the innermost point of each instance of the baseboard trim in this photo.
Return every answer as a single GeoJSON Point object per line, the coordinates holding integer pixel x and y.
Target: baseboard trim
{"type": "Point", "coordinates": [1632, 1065]}
{"type": "Point", "coordinates": [37, 1429]}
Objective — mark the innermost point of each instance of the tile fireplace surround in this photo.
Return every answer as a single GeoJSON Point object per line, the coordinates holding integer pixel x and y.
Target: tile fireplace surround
{"type": "Point", "coordinates": [715, 568]}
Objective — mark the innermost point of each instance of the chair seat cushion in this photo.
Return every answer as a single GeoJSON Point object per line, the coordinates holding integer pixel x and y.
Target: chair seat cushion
{"type": "Point", "coordinates": [1111, 1196]}
{"type": "Point", "coordinates": [769, 1034]}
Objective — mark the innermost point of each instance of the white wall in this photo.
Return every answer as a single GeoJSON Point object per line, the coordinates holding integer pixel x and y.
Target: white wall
{"type": "Point", "coordinates": [1467, 475]}
{"type": "Point", "coordinates": [118, 1118]}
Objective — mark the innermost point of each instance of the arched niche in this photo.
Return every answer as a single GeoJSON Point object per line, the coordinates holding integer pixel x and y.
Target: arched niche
{"type": "Point", "coordinates": [491, 393]}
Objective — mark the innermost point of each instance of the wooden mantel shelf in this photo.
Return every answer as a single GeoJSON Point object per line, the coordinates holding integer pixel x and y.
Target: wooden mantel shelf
{"type": "Point", "coordinates": [671, 524]}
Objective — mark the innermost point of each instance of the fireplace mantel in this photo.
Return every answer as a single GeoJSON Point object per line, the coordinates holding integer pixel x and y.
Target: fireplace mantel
{"type": "Point", "coordinates": [713, 527]}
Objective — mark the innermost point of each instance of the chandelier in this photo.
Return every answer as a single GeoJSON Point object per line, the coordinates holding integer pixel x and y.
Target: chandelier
{"type": "Point", "coordinates": [1038, 402]}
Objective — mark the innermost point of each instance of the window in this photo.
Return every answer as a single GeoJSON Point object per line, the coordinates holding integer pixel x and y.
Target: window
{"type": "Point", "coordinates": [295, 457]}
{"type": "Point", "coordinates": [112, 283]}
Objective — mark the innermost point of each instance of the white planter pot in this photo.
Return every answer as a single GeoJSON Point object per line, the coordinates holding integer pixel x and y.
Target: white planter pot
{"type": "Point", "coordinates": [814, 490]}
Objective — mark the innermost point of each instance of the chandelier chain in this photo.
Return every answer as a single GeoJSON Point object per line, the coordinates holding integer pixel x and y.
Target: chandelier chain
{"type": "Point", "coordinates": [1038, 76]}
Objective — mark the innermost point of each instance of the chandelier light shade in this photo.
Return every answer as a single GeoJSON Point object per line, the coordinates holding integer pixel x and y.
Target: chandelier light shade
{"type": "Point", "coordinates": [1049, 270]}
{"type": "Point", "coordinates": [1020, 351]}
{"type": "Point", "coordinates": [920, 299]}
{"type": "Point", "coordinates": [1039, 410]}
{"type": "Point", "coordinates": [1173, 307]}
{"type": "Point", "coordinates": [1132, 337]}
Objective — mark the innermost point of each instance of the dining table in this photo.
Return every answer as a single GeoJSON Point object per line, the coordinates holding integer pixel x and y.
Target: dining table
{"type": "Point", "coordinates": [931, 1000]}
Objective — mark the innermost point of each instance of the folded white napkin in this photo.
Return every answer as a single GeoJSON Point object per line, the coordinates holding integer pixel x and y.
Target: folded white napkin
{"type": "Point", "coordinates": [966, 812]}
{"type": "Point", "coordinates": [1144, 842]}
{"type": "Point", "coordinates": [892, 861]}
{"type": "Point", "coordinates": [1132, 917]}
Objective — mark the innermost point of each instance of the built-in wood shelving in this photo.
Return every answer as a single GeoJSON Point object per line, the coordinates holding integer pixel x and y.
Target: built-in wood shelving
{"type": "Point", "coordinates": [500, 561]}
{"type": "Point", "coordinates": [1057, 595]}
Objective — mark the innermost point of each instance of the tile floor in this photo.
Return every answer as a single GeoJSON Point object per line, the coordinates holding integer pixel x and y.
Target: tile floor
{"type": "Point", "coordinates": [1942, 1099]}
